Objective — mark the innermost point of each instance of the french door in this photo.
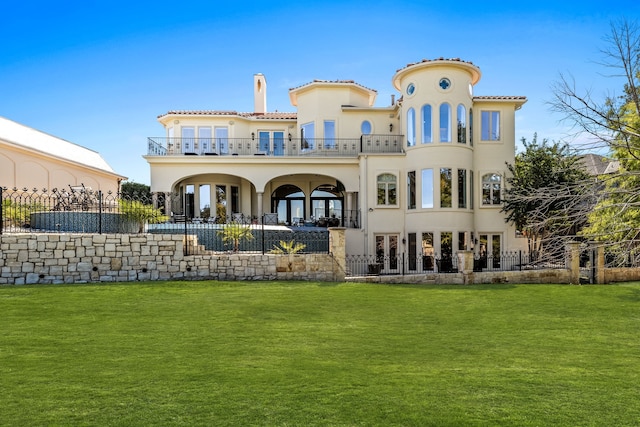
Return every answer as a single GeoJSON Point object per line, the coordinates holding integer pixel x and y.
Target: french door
{"type": "Point", "coordinates": [387, 251]}
{"type": "Point", "coordinates": [271, 142]}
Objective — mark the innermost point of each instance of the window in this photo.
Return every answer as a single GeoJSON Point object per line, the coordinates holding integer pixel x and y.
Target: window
{"type": "Point", "coordinates": [491, 185]}
{"type": "Point", "coordinates": [462, 124]}
{"type": "Point", "coordinates": [329, 134]}
{"type": "Point", "coordinates": [462, 188]}
{"type": "Point", "coordinates": [445, 187]}
{"type": "Point", "coordinates": [413, 253]}
{"type": "Point", "coordinates": [428, 251]}
{"type": "Point", "coordinates": [387, 194]}
{"type": "Point", "coordinates": [426, 124]}
{"type": "Point", "coordinates": [411, 127]}
{"type": "Point", "coordinates": [490, 126]}
{"type": "Point", "coordinates": [307, 132]}
{"type": "Point", "coordinates": [204, 138]}
{"type": "Point", "coordinates": [188, 134]}
{"type": "Point", "coordinates": [411, 190]}
{"type": "Point", "coordinates": [471, 190]}
{"type": "Point", "coordinates": [365, 127]}
{"type": "Point", "coordinates": [471, 127]}
{"type": "Point", "coordinates": [445, 120]}
{"type": "Point", "coordinates": [427, 188]}
{"type": "Point", "coordinates": [222, 140]}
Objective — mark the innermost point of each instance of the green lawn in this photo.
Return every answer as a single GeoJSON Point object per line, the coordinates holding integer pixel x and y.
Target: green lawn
{"type": "Point", "coordinates": [300, 354]}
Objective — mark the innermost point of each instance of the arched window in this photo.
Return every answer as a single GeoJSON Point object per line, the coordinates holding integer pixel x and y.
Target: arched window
{"type": "Point", "coordinates": [288, 202]}
{"type": "Point", "coordinates": [426, 124]}
{"type": "Point", "coordinates": [411, 127]}
{"type": "Point", "coordinates": [365, 127]}
{"type": "Point", "coordinates": [491, 187]}
{"type": "Point", "coordinates": [326, 202]}
{"type": "Point", "coordinates": [462, 124]}
{"type": "Point", "coordinates": [445, 122]}
{"type": "Point", "coordinates": [387, 189]}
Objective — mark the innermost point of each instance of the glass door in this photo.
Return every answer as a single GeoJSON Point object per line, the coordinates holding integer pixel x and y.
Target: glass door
{"type": "Point", "coordinates": [387, 252]}
{"type": "Point", "coordinates": [222, 140]}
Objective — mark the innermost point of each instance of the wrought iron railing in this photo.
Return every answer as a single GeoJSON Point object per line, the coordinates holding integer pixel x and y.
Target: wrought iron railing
{"type": "Point", "coordinates": [307, 147]}
{"type": "Point", "coordinates": [402, 264]}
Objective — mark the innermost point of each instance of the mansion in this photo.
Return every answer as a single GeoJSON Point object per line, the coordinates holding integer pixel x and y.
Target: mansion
{"type": "Point", "coordinates": [423, 175]}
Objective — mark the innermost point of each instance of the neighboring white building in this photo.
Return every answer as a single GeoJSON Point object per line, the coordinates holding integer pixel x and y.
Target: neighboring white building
{"type": "Point", "coordinates": [423, 175]}
{"type": "Point", "coordinates": [33, 159]}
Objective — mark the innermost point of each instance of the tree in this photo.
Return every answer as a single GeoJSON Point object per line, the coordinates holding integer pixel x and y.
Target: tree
{"type": "Point", "coordinates": [543, 197]}
{"type": "Point", "coordinates": [611, 123]}
{"type": "Point", "coordinates": [138, 213]}
{"type": "Point", "coordinates": [135, 191]}
{"type": "Point", "coordinates": [234, 233]}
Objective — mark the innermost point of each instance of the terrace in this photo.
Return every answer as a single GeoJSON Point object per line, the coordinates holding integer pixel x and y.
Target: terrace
{"type": "Point", "coordinates": [291, 147]}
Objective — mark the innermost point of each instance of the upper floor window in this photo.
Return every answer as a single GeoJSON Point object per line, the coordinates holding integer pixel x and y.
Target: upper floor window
{"type": "Point", "coordinates": [365, 127]}
{"type": "Point", "coordinates": [426, 124]}
{"type": "Point", "coordinates": [427, 188]}
{"type": "Point", "coordinates": [445, 122]}
{"type": "Point", "coordinates": [387, 189]}
{"type": "Point", "coordinates": [471, 127]}
{"type": "Point", "coordinates": [490, 126]}
{"type": "Point", "coordinates": [411, 127]}
{"type": "Point", "coordinates": [491, 186]}
{"type": "Point", "coordinates": [462, 124]}
{"type": "Point", "coordinates": [329, 134]}
{"type": "Point", "coordinates": [462, 188]}
{"type": "Point", "coordinates": [411, 190]}
{"type": "Point", "coordinates": [445, 187]}
{"type": "Point", "coordinates": [307, 132]}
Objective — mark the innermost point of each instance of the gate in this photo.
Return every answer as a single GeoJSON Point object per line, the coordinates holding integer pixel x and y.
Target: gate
{"type": "Point", "coordinates": [588, 264]}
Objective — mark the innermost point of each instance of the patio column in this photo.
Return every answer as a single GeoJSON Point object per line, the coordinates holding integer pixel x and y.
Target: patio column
{"type": "Point", "coordinates": [260, 210]}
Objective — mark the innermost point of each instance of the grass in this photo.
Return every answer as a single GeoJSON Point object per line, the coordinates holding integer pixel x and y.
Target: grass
{"type": "Point", "coordinates": [300, 354]}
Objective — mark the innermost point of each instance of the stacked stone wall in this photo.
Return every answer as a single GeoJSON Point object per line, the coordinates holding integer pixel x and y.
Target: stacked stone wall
{"type": "Point", "coordinates": [84, 258]}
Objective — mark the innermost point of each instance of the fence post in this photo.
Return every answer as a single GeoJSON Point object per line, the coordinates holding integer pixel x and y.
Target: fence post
{"type": "Point", "coordinates": [572, 262]}
{"type": "Point", "coordinates": [186, 241]}
{"type": "Point", "coordinates": [520, 260]}
{"type": "Point", "coordinates": [262, 239]}
{"type": "Point", "coordinates": [1, 209]}
{"type": "Point", "coordinates": [99, 211]}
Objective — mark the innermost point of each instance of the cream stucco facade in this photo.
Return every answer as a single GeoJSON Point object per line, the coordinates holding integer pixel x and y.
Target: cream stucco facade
{"type": "Point", "coordinates": [423, 175]}
{"type": "Point", "coordinates": [33, 159]}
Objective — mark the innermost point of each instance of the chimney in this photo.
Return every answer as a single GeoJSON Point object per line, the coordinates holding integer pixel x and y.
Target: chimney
{"type": "Point", "coordinates": [259, 94]}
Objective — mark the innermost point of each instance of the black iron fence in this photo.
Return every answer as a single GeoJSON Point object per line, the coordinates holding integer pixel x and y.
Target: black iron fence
{"type": "Point", "coordinates": [361, 265]}
{"type": "Point", "coordinates": [78, 209]}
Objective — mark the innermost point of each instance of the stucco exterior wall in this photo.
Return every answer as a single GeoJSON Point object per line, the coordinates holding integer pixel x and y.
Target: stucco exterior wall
{"type": "Point", "coordinates": [21, 168]}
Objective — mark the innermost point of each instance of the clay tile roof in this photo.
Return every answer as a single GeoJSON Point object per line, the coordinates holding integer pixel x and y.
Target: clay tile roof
{"type": "Point", "coordinates": [335, 81]}
{"type": "Point", "coordinates": [273, 116]}
{"type": "Point", "coordinates": [438, 60]}
{"type": "Point", "coordinates": [499, 98]}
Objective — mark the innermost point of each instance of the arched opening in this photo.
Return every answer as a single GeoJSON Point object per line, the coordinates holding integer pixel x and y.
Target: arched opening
{"type": "Point", "coordinates": [327, 203]}
{"type": "Point", "coordinates": [288, 202]}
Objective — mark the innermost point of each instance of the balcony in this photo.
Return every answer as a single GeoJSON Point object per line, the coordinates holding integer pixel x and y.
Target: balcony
{"type": "Point", "coordinates": [309, 147]}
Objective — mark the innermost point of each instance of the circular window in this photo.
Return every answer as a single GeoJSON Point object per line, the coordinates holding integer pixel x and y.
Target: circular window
{"type": "Point", "coordinates": [410, 89]}
{"type": "Point", "coordinates": [445, 83]}
{"type": "Point", "coordinates": [365, 127]}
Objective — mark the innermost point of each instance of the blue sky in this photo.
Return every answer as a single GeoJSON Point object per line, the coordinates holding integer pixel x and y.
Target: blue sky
{"type": "Point", "coordinates": [98, 73]}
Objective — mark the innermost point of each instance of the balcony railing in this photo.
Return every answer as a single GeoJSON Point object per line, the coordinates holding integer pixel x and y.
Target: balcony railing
{"type": "Point", "coordinates": [308, 147]}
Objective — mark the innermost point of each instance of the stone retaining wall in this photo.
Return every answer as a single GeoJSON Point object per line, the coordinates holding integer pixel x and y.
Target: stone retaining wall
{"type": "Point", "coordinates": [82, 258]}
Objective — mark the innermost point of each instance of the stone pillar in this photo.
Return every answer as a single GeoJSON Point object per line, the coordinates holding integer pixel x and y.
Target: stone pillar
{"type": "Point", "coordinates": [572, 262]}
{"type": "Point", "coordinates": [599, 261]}
{"type": "Point", "coordinates": [167, 204]}
{"type": "Point", "coordinates": [338, 248]}
{"type": "Point", "coordinates": [465, 266]}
